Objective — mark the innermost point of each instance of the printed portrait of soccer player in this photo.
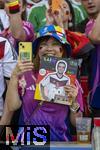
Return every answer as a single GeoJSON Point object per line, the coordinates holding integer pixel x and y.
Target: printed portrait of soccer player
{"type": "Point", "coordinates": [52, 86]}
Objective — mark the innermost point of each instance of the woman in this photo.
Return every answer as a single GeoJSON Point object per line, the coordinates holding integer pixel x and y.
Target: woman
{"type": "Point", "coordinates": [63, 17]}
{"type": "Point", "coordinates": [49, 43]}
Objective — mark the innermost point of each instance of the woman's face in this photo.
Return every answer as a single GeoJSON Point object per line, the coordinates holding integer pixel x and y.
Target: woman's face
{"type": "Point", "coordinates": [50, 47]}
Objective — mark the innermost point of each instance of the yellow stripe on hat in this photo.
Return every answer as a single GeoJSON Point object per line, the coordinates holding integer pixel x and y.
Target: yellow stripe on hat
{"type": "Point", "coordinates": [14, 3]}
{"type": "Point", "coordinates": [59, 29]}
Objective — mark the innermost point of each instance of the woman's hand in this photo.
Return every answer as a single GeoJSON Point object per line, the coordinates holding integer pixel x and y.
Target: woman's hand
{"type": "Point", "coordinates": [23, 66]}
{"type": "Point", "coordinates": [54, 18]}
{"type": "Point", "coordinates": [49, 17]}
{"type": "Point", "coordinates": [59, 17]}
{"type": "Point", "coordinates": [71, 92]}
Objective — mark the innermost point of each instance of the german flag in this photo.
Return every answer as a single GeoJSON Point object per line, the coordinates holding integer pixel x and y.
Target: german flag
{"type": "Point", "coordinates": [80, 44]}
{"type": "Point", "coordinates": [14, 7]}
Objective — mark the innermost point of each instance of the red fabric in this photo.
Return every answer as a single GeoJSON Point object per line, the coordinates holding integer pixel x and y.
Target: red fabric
{"type": "Point", "coordinates": [97, 122]}
{"type": "Point", "coordinates": [77, 40]}
{"type": "Point", "coordinates": [84, 84]}
{"type": "Point", "coordinates": [14, 7]}
{"type": "Point", "coordinates": [2, 47]}
{"type": "Point", "coordinates": [74, 138]}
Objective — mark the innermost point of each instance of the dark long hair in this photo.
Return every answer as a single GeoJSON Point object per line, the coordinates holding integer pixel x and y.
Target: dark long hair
{"type": "Point", "coordinates": [73, 15]}
{"type": "Point", "coordinates": [24, 14]}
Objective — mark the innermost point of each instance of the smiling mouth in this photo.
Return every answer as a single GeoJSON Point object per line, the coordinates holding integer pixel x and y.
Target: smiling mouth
{"type": "Point", "coordinates": [91, 7]}
{"type": "Point", "coordinates": [49, 54]}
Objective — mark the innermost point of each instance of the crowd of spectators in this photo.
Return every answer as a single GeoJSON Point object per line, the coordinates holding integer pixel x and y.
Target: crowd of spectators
{"type": "Point", "coordinates": [31, 21]}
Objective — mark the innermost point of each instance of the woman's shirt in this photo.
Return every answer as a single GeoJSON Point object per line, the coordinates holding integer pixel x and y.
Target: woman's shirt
{"type": "Point", "coordinates": [54, 115]}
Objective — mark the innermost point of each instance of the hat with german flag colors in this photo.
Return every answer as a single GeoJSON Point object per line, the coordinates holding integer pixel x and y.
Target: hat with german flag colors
{"type": "Point", "coordinates": [53, 31]}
